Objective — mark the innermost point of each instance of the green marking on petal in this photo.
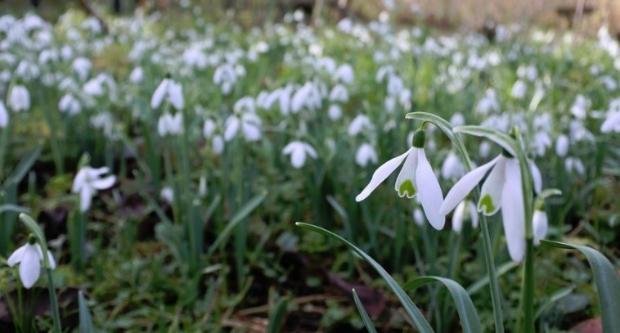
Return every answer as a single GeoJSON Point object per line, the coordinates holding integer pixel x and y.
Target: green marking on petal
{"type": "Point", "coordinates": [486, 204]}
{"type": "Point", "coordinates": [406, 188]}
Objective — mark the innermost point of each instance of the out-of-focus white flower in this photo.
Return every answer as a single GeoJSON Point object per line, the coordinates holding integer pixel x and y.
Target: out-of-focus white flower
{"type": "Point", "coordinates": [611, 123]}
{"type": "Point", "coordinates": [29, 257]}
{"type": "Point", "coordinates": [452, 168]}
{"type": "Point", "coordinates": [217, 144]}
{"type": "Point", "coordinates": [202, 186]}
{"type": "Point", "coordinates": [339, 93]}
{"type": "Point", "coordinates": [418, 216]}
{"type": "Point", "coordinates": [82, 67]}
{"type": "Point", "coordinates": [416, 178]}
{"type": "Point", "coordinates": [457, 119]}
{"type": "Point", "coordinates": [573, 164]}
{"type": "Point", "coordinates": [484, 150]}
{"type": "Point", "coordinates": [518, 89]}
{"type": "Point", "coordinates": [344, 74]}
{"type": "Point", "coordinates": [90, 180]}
{"type": "Point", "coordinates": [249, 123]}
{"type": "Point", "coordinates": [170, 124]}
{"type": "Point", "coordinates": [358, 124]}
{"type": "Point", "coordinates": [167, 194]}
{"type": "Point", "coordinates": [4, 116]}
{"type": "Point", "coordinates": [580, 107]}
{"type": "Point", "coordinates": [208, 129]}
{"type": "Point", "coordinates": [488, 103]}
{"type": "Point", "coordinates": [366, 154]}
{"type": "Point", "coordinates": [540, 225]}
{"type": "Point", "coordinates": [168, 90]}
{"type": "Point", "coordinates": [541, 142]}
{"type": "Point", "coordinates": [308, 96]}
{"type": "Point", "coordinates": [69, 104]}
{"type": "Point", "coordinates": [334, 112]}
{"type": "Point", "coordinates": [561, 145]}
{"type": "Point", "coordinates": [225, 76]}
{"type": "Point", "coordinates": [461, 211]}
{"type": "Point", "coordinates": [19, 99]}
{"type": "Point", "coordinates": [299, 151]}
{"type": "Point", "coordinates": [136, 75]}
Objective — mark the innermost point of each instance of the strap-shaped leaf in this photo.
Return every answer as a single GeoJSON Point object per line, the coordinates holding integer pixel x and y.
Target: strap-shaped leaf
{"type": "Point", "coordinates": [411, 309]}
{"type": "Point", "coordinates": [23, 167]}
{"type": "Point", "coordinates": [470, 321]}
{"type": "Point", "coordinates": [86, 320]}
{"type": "Point", "coordinates": [502, 139]}
{"type": "Point", "coordinates": [606, 280]}
{"type": "Point", "coordinates": [370, 327]}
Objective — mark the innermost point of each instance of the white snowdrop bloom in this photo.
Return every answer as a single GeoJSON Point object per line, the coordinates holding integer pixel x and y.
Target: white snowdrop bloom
{"type": "Point", "coordinates": [248, 123]}
{"type": "Point", "coordinates": [208, 129]}
{"type": "Point", "coordinates": [168, 90]}
{"type": "Point", "coordinates": [540, 225]}
{"type": "Point", "coordinates": [81, 66]}
{"type": "Point", "coordinates": [299, 151]}
{"type": "Point", "coordinates": [170, 124]}
{"type": "Point", "coordinates": [195, 57]}
{"type": "Point", "coordinates": [488, 103]}
{"type": "Point", "coordinates": [484, 150]}
{"type": "Point", "coordinates": [358, 124]}
{"type": "Point", "coordinates": [334, 112]}
{"type": "Point", "coordinates": [501, 189]}
{"type": "Point", "coordinates": [611, 123]}
{"type": "Point", "coordinates": [339, 93]}
{"type": "Point", "coordinates": [366, 154]}
{"type": "Point", "coordinates": [395, 85]}
{"type": "Point", "coordinates": [389, 104]}
{"type": "Point", "coordinates": [19, 98]}
{"type": "Point", "coordinates": [580, 107]}
{"type": "Point", "coordinates": [541, 142]}
{"type": "Point", "coordinates": [202, 186]}
{"type": "Point", "coordinates": [217, 144]}
{"type": "Point", "coordinates": [578, 132]}
{"type": "Point", "coordinates": [418, 217]}
{"type": "Point", "coordinates": [527, 72]}
{"type": "Point", "coordinates": [574, 165]}
{"type": "Point", "coordinates": [94, 87]}
{"type": "Point", "coordinates": [308, 96]}
{"type": "Point", "coordinates": [416, 178]}
{"type": "Point", "coordinates": [609, 83]}
{"type": "Point", "coordinates": [4, 116]}
{"type": "Point", "coordinates": [561, 145]}
{"type": "Point", "coordinates": [30, 258]}
{"type": "Point", "coordinates": [27, 70]}
{"type": "Point", "coordinates": [344, 74]}
{"type": "Point", "coordinates": [167, 194]}
{"type": "Point", "coordinates": [136, 75]}
{"type": "Point", "coordinates": [518, 89]}
{"type": "Point", "coordinates": [466, 207]}
{"type": "Point", "coordinates": [69, 105]}
{"type": "Point", "coordinates": [452, 168]}
{"type": "Point", "coordinates": [225, 76]}
{"type": "Point", "coordinates": [90, 180]}
{"type": "Point", "coordinates": [457, 119]}
{"type": "Point", "coordinates": [245, 104]}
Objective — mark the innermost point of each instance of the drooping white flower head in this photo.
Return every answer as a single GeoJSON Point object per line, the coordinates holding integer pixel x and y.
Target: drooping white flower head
{"type": "Point", "coordinates": [561, 145]}
{"type": "Point", "coordinates": [501, 189]}
{"type": "Point", "coordinates": [19, 99]}
{"type": "Point", "coordinates": [249, 123]}
{"type": "Point", "coordinates": [518, 89]}
{"type": "Point", "coordinates": [168, 90]}
{"type": "Point", "coordinates": [416, 178]}
{"type": "Point", "coordinates": [136, 75]}
{"type": "Point", "coordinates": [462, 210]}
{"type": "Point", "coordinates": [170, 124]}
{"type": "Point", "coordinates": [611, 123]}
{"type": "Point", "coordinates": [366, 154]}
{"type": "Point", "coordinates": [580, 107]}
{"type": "Point", "coordinates": [299, 151]}
{"type": "Point", "coordinates": [540, 225]}
{"type": "Point", "coordinates": [4, 116]}
{"type": "Point", "coordinates": [69, 105]}
{"type": "Point", "coordinates": [358, 124]}
{"type": "Point", "coordinates": [29, 257]}
{"type": "Point", "coordinates": [339, 93]}
{"type": "Point", "coordinates": [334, 112]}
{"type": "Point", "coordinates": [344, 74]}
{"type": "Point", "coordinates": [90, 180]}
{"type": "Point", "coordinates": [452, 167]}
{"type": "Point", "coordinates": [167, 194]}
{"type": "Point", "coordinates": [82, 67]}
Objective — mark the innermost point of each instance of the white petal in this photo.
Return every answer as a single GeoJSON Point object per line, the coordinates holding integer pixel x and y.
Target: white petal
{"type": "Point", "coordinates": [381, 174]}
{"type": "Point", "coordinates": [405, 184]}
{"type": "Point", "coordinates": [298, 157]}
{"type": "Point", "coordinates": [536, 176]}
{"type": "Point", "coordinates": [30, 266]}
{"type": "Point", "coordinates": [491, 194]}
{"type": "Point", "coordinates": [50, 258]}
{"type": "Point", "coordinates": [175, 93]}
{"type": "Point", "coordinates": [16, 256]}
{"type": "Point", "coordinates": [429, 191]}
{"type": "Point", "coordinates": [251, 131]}
{"type": "Point", "coordinates": [86, 196]}
{"type": "Point", "coordinates": [310, 151]}
{"type": "Point", "coordinates": [540, 225]}
{"type": "Point", "coordinates": [473, 213]}
{"type": "Point", "coordinates": [232, 126]}
{"type": "Point", "coordinates": [459, 191]}
{"type": "Point", "coordinates": [104, 183]}
{"type": "Point", "coordinates": [512, 211]}
{"type": "Point", "coordinates": [158, 95]}
{"type": "Point", "coordinates": [458, 216]}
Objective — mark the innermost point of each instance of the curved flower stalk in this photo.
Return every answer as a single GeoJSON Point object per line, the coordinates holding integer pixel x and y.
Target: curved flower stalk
{"type": "Point", "coordinates": [299, 151]}
{"type": "Point", "coordinates": [29, 258]}
{"type": "Point", "coordinates": [416, 178]}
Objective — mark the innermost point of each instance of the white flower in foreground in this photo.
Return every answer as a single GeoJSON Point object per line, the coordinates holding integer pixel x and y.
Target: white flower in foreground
{"type": "Point", "coordinates": [19, 99]}
{"type": "Point", "coordinates": [29, 257]}
{"type": "Point", "coordinates": [540, 224]}
{"type": "Point", "coordinates": [461, 211]}
{"type": "Point", "coordinates": [88, 181]}
{"type": "Point", "coordinates": [170, 124]}
{"type": "Point", "coordinates": [168, 90]}
{"type": "Point", "coordinates": [416, 177]}
{"type": "Point", "coordinates": [299, 151]}
{"type": "Point", "coordinates": [4, 116]}
{"type": "Point", "coordinates": [365, 154]}
{"type": "Point", "coordinates": [501, 189]}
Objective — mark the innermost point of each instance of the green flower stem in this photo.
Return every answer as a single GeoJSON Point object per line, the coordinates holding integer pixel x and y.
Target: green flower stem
{"type": "Point", "coordinates": [53, 301]}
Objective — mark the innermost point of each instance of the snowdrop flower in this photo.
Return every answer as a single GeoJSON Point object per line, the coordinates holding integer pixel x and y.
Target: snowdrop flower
{"type": "Point", "coordinates": [208, 129]}
{"type": "Point", "coordinates": [365, 154]}
{"type": "Point", "coordinates": [518, 89]}
{"type": "Point", "coordinates": [580, 106]}
{"type": "Point", "coordinates": [344, 74]}
{"type": "Point", "coordinates": [458, 218]}
{"type": "Point", "coordinates": [69, 104]}
{"type": "Point", "coordinates": [29, 257]}
{"type": "Point", "coordinates": [572, 164]}
{"type": "Point", "coordinates": [217, 144]}
{"type": "Point", "coordinates": [339, 93]}
{"type": "Point", "coordinates": [249, 123]}
{"type": "Point", "coordinates": [416, 178]}
{"type": "Point", "coordinates": [168, 90]}
{"type": "Point", "coordinates": [561, 145]}
{"type": "Point", "coordinates": [90, 180]}
{"type": "Point", "coordinates": [19, 99]}
{"type": "Point", "coordinates": [82, 67]}
{"type": "Point", "coordinates": [298, 151]}
{"type": "Point", "coordinates": [488, 103]}
{"type": "Point", "coordinates": [501, 189]}
{"type": "Point", "coordinates": [484, 150]}
{"type": "Point", "coordinates": [4, 116]}
{"type": "Point", "coordinates": [418, 217]}
{"type": "Point", "coordinates": [136, 75]}
{"type": "Point", "coordinates": [611, 123]}
{"type": "Point", "coordinates": [452, 168]}
{"type": "Point", "coordinates": [334, 112]}
{"type": "Point", "coordinates": [540, 224]}
{"type": "Point", "coordinates": [167, 194]}
{"type": "Point", "coordinates": [358, 124]}
{"type": "Point", "coordinates": [170, 124]}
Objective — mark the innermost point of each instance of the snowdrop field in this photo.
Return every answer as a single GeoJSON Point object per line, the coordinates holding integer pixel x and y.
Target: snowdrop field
{"type": "Point", "coordinates": [187, 173]}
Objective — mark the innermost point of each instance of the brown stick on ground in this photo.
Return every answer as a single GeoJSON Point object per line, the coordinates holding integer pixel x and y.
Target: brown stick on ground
{"type": "Point", "coordinates": [92, 12]}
